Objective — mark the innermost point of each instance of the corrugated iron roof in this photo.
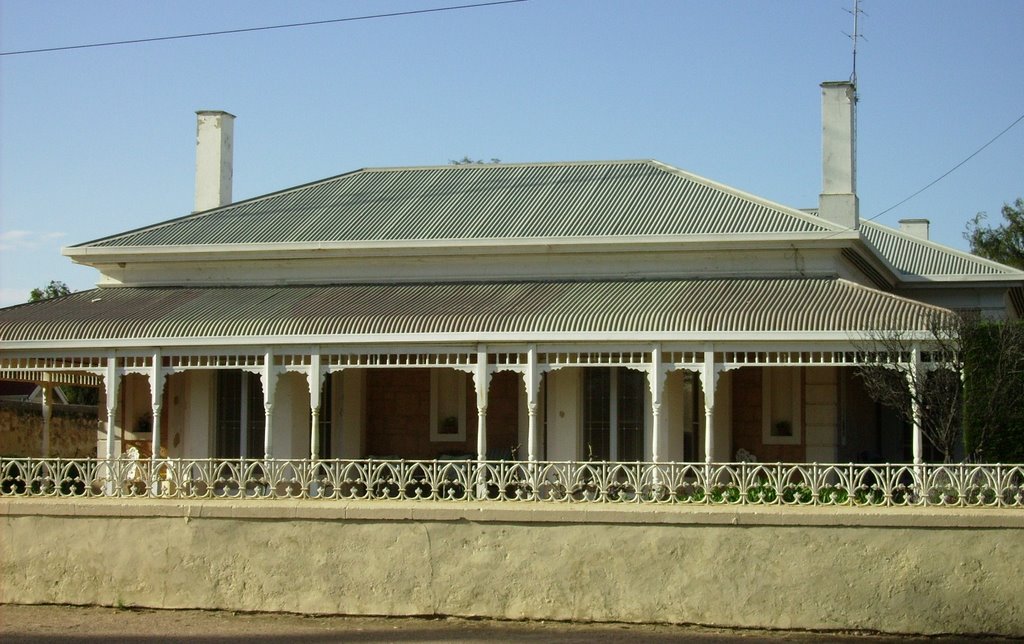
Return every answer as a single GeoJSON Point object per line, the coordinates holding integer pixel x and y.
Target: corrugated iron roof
{"type": "Point", "coordinates": [525, 309]}
{"type": "Point", "coordinates": [494, 201]}
{"type": "Point", "coordinates": [914, 257]}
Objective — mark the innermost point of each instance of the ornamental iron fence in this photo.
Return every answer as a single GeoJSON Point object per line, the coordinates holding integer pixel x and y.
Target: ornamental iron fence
{"type": "Point", "coordinates": [811, 484]}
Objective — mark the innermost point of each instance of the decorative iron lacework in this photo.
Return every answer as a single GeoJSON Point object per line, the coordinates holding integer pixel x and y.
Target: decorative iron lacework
{"type": "Point", "coordinates": [855, 485]}
{"type": "Point", "coordinates": [74, 378]}
{"type": "Point", "coordinates": [88, 370]}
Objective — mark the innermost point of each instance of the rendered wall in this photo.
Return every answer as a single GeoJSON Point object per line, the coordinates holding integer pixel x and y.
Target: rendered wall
{"type": "Point", "coordinates": [821, 413]}
{"type": "Point", "coordinates": [909, 570]}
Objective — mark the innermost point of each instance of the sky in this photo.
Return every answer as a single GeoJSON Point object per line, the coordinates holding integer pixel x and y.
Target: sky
{"type": "Point", "coordinates": [101, 140]}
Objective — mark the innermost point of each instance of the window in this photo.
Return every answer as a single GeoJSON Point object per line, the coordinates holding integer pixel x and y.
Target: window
{"type": "Point", "coordinates": [613, 414]}
{"type": "Point", "coordinates": [240, 416]}
{"type": "Point", "coordinates": [324, 425]}
{"type": "Point", "coordinates": [692, 415]}
{"type": "Point", "coordinates": [447, 405]}
{"type": "Point", "coordinates": [781, 400]}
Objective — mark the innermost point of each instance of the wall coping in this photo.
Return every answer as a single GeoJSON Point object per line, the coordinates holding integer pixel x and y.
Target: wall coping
{"type": "Point", "coordinates": [496, 512]}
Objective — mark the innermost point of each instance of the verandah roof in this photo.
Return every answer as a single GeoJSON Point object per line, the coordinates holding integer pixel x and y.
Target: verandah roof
{"type": "Point", "coordinates": [526, 310]}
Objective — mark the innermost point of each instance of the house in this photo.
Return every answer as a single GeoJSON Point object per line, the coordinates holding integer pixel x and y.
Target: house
{"type": "Point", "coordinates": [620, 311]}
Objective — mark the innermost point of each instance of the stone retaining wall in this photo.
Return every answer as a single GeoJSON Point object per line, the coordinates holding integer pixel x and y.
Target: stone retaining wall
{"type": "Point", "coordinates": [914, 570]}
{"type": "Point", "coordinates": [72, 430]}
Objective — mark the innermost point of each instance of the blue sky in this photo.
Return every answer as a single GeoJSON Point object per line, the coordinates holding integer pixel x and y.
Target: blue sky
{"type": "Point", "coordinates": [97, 141]}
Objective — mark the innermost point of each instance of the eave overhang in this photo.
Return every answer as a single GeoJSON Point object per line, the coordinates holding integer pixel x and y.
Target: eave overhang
{"type": "Point", "coordinates": [97, 255]}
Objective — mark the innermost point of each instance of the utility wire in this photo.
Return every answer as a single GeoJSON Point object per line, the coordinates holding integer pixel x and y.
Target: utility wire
{"type": "Point", "coordinates": [950, 171]}
{"type": "Point", "coordinates": [265, 28]}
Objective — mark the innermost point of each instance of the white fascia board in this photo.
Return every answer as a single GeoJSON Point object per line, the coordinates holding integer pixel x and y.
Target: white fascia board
{"type": "Point", "coordinates": [412, 339]}
{"type": "Point", "coordinates": [959, 279]}
{"type": "Point", "coordinates": [448, 247]}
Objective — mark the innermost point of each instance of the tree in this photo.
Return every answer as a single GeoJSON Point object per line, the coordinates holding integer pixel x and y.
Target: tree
{"type": "Point", "coordinates": [468, 161]}
{"type": "Point", "coordinates": [932, 385]}
{"type": "Point", "coordinates": [968, 385]}
{"type": "Point", "coordinates": [1004, 243]}
{"type": "Point", "coordinates": [53, 289]}
{"type": "Point", "coordinates": [994, 391]}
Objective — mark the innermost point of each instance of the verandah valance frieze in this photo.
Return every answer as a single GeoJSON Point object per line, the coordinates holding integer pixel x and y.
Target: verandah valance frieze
{"type": "Point", "coordinates": [32, 366]}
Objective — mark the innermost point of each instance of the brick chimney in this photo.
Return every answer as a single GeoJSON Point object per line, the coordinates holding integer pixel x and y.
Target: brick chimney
{"type": "Point", "coordinates": [838, 201]}
{"type": "Point", "coordinates": [215, 133]}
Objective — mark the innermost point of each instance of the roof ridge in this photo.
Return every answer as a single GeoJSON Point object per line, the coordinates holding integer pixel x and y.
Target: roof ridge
{"type": "Point", "coordinates": [749, 196]}
{"type": "Point", "coordinates": [503, 164]}
{"type": "Point", "coordinates": [212, 211]}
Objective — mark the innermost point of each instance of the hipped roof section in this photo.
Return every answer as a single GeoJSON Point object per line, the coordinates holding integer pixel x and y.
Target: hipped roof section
{"type": "Point", "coordinates": [462, 205]}
{"type": "Point", "coordinates": [916, 259]}
{"type": "Point", "coordinates": [477, 202]}
{"type": "Point", "coordinates": [513, 311]}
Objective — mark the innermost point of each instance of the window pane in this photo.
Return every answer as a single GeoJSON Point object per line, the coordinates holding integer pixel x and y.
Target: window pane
{"type": "Point", "coordinates": [257, 418]}
{"type": "Point", "coordinates": [596, 409]}
{"type": "Point", "coordinates": [631, 414]}
{"type": "Point", "coordinates": [324, 428]}
{"type": "Point", "coordinates": [229, 414]}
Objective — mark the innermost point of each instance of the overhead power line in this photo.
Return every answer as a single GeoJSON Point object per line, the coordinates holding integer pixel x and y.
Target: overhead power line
{"type": "Point", "coordinates": [292, 25]}
{"type": "Point", "coordinates": [950, 171]}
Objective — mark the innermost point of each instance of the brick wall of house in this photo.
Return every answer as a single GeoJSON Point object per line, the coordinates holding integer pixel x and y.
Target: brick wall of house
{"type": "Point", "coordinates": [746, 421]}
{"type": "Point", "coordinates": [503, 415]}
{"type": "Point", "coordinates": [398, 411]}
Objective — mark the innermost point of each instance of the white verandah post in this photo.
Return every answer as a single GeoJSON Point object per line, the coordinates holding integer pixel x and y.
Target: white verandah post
{"type": "Point", "coordinates": [156, 390]}
{"type": "Point", "coordinates": [656, 382]}
{"type": "Point", "coordinates": [269, 385]}
{"type": "Point", "coordinates": [47, 404]}
{"type": "Point", "coordinates": [481, 380]}
{"type": "Point", "coordinates": [915, 405]}
{"type": "Point", "coordinates": [315, 384]}
{"type": "Point", "coordinates": [917, 442]}
{"type": "Point", "coordinates": [110, 386]}
{"type": "Point", "coordinates": [532, 383]}
{"type": "Point", "coordinates": [709, 381]}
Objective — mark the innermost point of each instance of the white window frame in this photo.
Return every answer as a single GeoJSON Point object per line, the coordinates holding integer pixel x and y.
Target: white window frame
{"type": "Point", "coordinates": [772, 378]}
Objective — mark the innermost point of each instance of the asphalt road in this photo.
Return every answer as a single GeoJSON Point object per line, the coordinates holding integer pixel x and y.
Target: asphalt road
{"type": "Point", "coordinates": [72, 625]}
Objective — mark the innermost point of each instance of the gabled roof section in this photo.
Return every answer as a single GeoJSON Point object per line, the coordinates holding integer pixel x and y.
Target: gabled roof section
{"type": "Point", "coordinates": [476, 202]}
{"type": "Point", "coordinates": [916, 259]}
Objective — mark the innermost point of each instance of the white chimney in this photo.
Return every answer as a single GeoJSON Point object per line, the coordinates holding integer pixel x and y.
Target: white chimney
{"type": "Point", "coordinates": [215, 134]}
{"type": "Point", "coordinates": [838, 201]}
{"type": "Point", "coordinates": [916, 227]}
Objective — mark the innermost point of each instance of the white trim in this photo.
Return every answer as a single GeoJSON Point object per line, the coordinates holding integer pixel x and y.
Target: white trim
{"type": "Point", "coordinates": [845, 337]}
{"type": "Point", "coordinates": [466, 245]}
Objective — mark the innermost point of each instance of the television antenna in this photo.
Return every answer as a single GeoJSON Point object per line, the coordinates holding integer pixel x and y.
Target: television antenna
{"type": "Point", "coordinates": [856, 12]}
